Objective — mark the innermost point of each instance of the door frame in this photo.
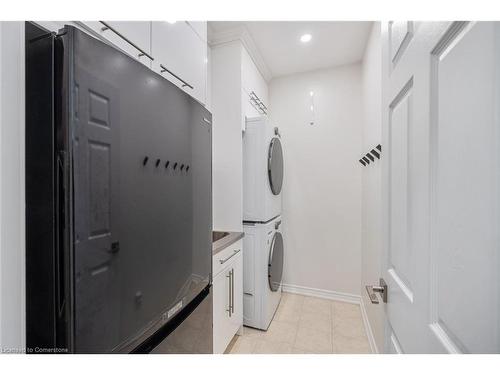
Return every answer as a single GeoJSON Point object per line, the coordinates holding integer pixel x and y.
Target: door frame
{"type": "Point", "coordinates": [12, 187]}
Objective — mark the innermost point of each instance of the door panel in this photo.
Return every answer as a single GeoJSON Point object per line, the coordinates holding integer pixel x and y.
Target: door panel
{"type": "Point", "coordinates": [400, 33]}
{"type": "Point", "coordinates": [464, 233]}
{"type": "Point", "coordinates": [400, 252]}
{"type": "Point", "coordinates": [440, 183]}
{"type": "Point", "coordinates": [96, 184]}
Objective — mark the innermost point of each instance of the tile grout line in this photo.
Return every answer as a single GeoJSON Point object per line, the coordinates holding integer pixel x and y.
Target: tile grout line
{"type": "Point", "coordinates": [297, 327]}
{"type": "Point", "coordinates": [332, 309]}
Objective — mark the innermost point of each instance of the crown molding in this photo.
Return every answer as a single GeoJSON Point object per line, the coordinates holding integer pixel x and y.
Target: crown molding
{"type": "Point", "coordinates": [240, 33]}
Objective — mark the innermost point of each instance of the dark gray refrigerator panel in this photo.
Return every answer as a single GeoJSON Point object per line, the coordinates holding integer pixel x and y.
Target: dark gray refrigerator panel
{"type": "Point", "coordinates": [194, 335]}
{"type": "Point", "coordinates": [136, 161]}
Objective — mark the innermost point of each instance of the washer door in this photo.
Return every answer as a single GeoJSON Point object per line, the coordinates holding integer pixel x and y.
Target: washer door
{"type": "Point", "coordinates": [275, 265]}
{"type": "Point", "coordinates": [275, 166]}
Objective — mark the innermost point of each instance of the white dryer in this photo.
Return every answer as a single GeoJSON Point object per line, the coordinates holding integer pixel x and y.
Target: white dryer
{"type": "Point", "coordinates": [262, 170]}
{"type": "Point", "coordinates": [263, 255]}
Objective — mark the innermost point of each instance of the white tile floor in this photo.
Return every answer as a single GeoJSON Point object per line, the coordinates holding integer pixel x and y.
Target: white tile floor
{"type": "Point", "coordinates": [307, 325]}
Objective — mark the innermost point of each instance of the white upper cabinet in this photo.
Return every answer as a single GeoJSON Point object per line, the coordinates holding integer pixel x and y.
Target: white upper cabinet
{"type": "Point", "coordinates": [200, 27]}
{"type": "Point", "coordinates": [137, 32]}
{"type": "Point", "coordinates": [180, 47]}
{"type": "Point", "coordinates": [181, 56]}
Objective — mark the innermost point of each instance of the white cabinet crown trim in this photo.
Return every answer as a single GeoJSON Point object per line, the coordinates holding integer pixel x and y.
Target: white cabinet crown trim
{"type": "Point", "coordinates": [241, 33]}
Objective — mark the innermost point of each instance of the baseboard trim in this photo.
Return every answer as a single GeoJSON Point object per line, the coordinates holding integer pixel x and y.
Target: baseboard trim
{"type": "Point", "coordinates": [368, 328]}
{"type": "Point", "coordinates": [322, 293]}
{"type": "Point", "coordinates": [337, 296]}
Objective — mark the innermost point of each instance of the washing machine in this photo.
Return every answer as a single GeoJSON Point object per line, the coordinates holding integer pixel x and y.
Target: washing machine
{"type": "Point", "coordinates": [262, 170]}
{"type": "Point", "coordinates": [263, 255]}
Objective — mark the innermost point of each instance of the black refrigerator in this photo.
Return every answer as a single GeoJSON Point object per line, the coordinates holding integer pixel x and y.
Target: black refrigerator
{"type": "Point", "coordinates": [118, 203]}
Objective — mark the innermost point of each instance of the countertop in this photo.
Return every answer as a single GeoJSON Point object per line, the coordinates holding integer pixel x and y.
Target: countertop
{"type": "Point", "coordinates": [228, 239]}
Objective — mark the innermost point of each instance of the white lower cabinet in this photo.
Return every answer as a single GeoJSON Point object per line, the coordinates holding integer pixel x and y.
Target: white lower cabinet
{"type": "Point", "coordinates": [228, 297]}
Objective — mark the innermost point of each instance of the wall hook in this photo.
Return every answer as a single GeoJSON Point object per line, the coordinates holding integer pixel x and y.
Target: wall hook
{"type": "Point", "coordinates": [145, 161]}
{"type": "Point", "coordinates": [375, 153]}
{"type": "Point", "coordinates": [175, 165]}
{"type": "Point", "coordinates": [371, 155]}
{"type": "Point", "coordinates": [182, 167]}
{"type": "Point", "coordinates": [167, 163]}
{"type": "Point", "coordinates": [157, 163]}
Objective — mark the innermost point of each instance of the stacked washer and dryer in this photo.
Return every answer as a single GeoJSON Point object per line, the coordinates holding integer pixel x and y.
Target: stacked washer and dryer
{"type": "Point", "coordinates": [263, 251]}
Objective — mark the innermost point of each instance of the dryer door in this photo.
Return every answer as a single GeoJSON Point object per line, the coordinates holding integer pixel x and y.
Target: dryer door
{"type": "Point", "coordinates": [275, 166]}
{"type": "Point", "coordinates": [275, 265]}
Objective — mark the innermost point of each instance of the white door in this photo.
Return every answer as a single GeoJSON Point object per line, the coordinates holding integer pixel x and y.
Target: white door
{"type": "Point", "coordinates": [441, 113]}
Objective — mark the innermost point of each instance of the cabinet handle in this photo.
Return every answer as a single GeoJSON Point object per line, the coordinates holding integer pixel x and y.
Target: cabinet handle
{"type": "Point", "coordinates": [230, 294]}
{"type": "Point", "coordinates": [142, 52]}
{"type": "Point", "coordinates": [184, 83]}
{"type": "Point", "coordinates": [232, 290]}
{"type": "Point", "coordinates": [222, 261]}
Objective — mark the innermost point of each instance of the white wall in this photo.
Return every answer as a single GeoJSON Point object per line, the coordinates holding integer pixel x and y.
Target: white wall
{"type": "Point", "coordinates": [227, 137]}
{"type": "Point", "coordinates": [12, 243]}
{"type": "Point", "coordinates": [372, 194]}
{"type": "Point", "coordinates": [252, 80]}
{"type": "Point", "coordinates": [232, 75]}
{"type": "Point", "coordinates": [322, 184]}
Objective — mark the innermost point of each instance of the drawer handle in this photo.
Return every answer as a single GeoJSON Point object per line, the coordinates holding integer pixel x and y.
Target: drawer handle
{"type": "Point", "coordinates": [232, 290]}
{"type": "Point", "coordinates": [229, 309]}
{"type": "Point", "coordinates": [222, 261]}
{"type": "Point", "coordinates": [184, 83]}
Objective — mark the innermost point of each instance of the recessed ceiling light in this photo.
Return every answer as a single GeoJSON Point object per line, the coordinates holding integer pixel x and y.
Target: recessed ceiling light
{"type": "Point", "coordinates": [306, 38]}
{"type": "Point", "coordinates": [171, 22]}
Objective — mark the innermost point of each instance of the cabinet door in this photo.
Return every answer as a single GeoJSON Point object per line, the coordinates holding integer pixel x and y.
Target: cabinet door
{"type": "Point", "coordinates": [237, 294]}
{"type": "Point", "coordinates": [200, 27]}
{"type": "Point", "coordinates": [180, 50]}
{"type": "Point", "coordinates": [138, 32]}
{"type": "Point", "coordinates": [222, 327]}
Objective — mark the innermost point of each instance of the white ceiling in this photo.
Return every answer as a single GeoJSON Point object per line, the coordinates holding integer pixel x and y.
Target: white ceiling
{"type": "Point", "coordinates": [333, 43]}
